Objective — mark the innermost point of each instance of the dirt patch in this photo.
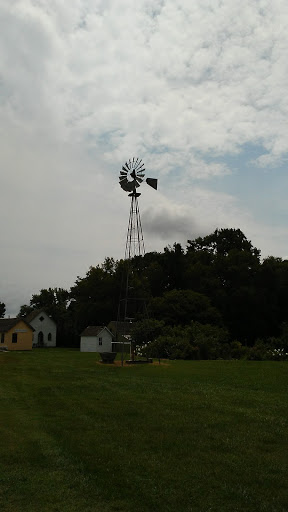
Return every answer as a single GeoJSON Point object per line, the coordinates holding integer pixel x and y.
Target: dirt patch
{"type": "Point", "coordinates": [119, 363]}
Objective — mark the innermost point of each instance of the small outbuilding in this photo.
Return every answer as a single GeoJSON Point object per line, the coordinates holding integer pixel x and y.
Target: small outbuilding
{"type": "Point", "coordinates": [96, 338]}
{"type": "Point", "coordinates": [45, 329]}
{"type": "Point", "coordinates": [15, 334]}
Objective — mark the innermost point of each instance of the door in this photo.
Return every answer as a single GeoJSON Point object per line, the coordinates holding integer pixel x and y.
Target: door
{"type": "Point", "coordinates": [40, 339]}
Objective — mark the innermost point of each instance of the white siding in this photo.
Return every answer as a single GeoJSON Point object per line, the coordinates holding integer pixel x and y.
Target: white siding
{"type": "Point", "coordinates": [47, 326]}
{"type": "Point", "coordinates": [88, 344]}
{"type": "Point", "coordinates": [91, 343]}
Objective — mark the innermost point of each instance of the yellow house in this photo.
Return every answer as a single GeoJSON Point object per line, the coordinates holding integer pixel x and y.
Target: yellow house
{"type": "Point", "coordinates": [15, 334]}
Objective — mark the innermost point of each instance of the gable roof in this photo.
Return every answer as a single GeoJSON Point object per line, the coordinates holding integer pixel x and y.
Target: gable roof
{"type": "Point", "coordinates": [8, 323]}
{"type": "Point", "coordinates": [29, 318]}
{"type": "Point", "coordinates": [94, 330]}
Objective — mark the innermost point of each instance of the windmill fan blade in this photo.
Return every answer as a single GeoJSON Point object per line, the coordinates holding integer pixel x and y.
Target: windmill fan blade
{"type": "Point", "coordinates": [152, 182]}
{"type": "Point", "coordinates": [123, 181]}
{"type": "Point", "coordinates": [138, 164]}
{"type": "Point", "coordinates": [124, 169]}
{"type": "Point", "coordinates": [131, 186]}
{"type": "Point", "coordinates": [126, 186]}
{"type": "Point", "coordinates": [139, 179]}
{"type": "Point", "coordinates": [123, 173]}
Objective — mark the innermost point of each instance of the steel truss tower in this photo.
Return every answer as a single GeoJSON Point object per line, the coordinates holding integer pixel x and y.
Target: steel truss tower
{"type": "Point", "coordinates": [134, 240]}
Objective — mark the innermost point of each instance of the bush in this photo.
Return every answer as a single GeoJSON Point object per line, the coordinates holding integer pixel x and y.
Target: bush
{"type": "Point", "coordinates": [238, 351]}
{"type": "Point", "coordinates": [171, 347]}
{"type": "Point", "coordinates": [277, 354]}
{"type": "Point", "coordinates": [270, 349]}
{"type": "Point", "coordinates": [196, 341]}
{"type": "Point", "coordinates": [257, 353]}
{"type": "Point", "coordinates": [211, 340]}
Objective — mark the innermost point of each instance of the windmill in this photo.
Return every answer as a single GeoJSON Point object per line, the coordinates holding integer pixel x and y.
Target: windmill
{"type": "Point", "coordinates": [130, 178]}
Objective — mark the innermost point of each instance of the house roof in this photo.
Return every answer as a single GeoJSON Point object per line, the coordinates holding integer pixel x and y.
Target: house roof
{"type": "Point", "coordinates": [29, 318]}
{"type": "Point", "coordinates": [8, 323]}
{"type": "Point", "coordinates": [94, 330]}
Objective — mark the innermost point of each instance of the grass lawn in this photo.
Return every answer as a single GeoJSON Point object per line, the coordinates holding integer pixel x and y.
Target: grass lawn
{"type": "Point", "coordinates": [78, 436]}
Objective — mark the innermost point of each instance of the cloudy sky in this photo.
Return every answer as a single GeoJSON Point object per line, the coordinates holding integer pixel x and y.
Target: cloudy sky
{"type": "Point", "coordinates": [197, 89]}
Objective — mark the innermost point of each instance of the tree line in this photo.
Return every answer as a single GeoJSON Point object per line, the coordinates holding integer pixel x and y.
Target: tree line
{"type": "Point", "coordinates": [202, 299]}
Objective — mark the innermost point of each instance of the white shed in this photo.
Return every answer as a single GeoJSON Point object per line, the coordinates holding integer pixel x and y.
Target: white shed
{"type": "Point", "coordinates": [45, 329]}
{"type": "Point", "coordinates": [96, 338]}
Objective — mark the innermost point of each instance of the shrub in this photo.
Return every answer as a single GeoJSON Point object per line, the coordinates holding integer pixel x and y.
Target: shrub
{"type": "Point", "coordinates": [211, 340]}
{"type": "Point", "coordinates": [277, 354]}
{"type": "Point", "coordinates": [196, 341]}
{"type": "Point", "coordinates": [170, 347]}
{"type": "Point", "coordinates": [270, 349]}
{"type": "Point", "coordinates": [238, 351]}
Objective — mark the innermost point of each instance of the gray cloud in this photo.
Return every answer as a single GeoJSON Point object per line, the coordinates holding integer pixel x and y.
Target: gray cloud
{"type": "Point", "coordinates": [170, 224]}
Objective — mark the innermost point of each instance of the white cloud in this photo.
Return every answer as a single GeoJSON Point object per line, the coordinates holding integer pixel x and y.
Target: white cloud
{"type": "Point", "coordinates": [206, 77]}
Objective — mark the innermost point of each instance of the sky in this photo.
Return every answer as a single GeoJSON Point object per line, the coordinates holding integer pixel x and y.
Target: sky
{"type": "Point", "coordinates": [196, 89]}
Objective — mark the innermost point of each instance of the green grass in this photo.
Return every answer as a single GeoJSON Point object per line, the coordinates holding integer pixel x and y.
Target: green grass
{"type": "Point", "coordinates": [185, 436]}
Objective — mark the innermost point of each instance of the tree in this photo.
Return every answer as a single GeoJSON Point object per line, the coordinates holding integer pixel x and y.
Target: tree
{"type": "Point", "coordinates": [272, 288]}
{"type": "Point", "coordinates": [53, 300]}
{"type": "Point", "coordinates": [94, 298]}
{"type": "Point", "coordinates": [232, 265]}
{"type": "Point", "coordinates": [25, 310]}
{"type": "Point", "coordinates": [217, 280]}
{"type": "Point", "coordinates": [180, 307]}
{"type": "Point", "coordinates": [222, 242]}
{"type": "Point", "coordinates": [2, 309]}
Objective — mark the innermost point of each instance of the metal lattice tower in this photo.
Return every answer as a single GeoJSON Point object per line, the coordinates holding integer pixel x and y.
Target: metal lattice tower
{"type": "Point", "coordinates": [135, 240]}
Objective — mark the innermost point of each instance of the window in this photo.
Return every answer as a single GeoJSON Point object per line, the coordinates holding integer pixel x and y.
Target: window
{"type": "Point", "coordinates": [14, 337]}
{"type": "Point", "coordinates": [100, 341]}
{"type": "Point", "coordinates": [2, 337]}
{"type": "Point", "coordinates": [49, 336]}
{"type": "Point", "coordinates": [41, 318]}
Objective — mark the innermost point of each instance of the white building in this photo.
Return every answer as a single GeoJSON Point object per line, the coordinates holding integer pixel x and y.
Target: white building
{"type": "Point", "coordinates": [45, 329]}
{"type": "Point", "coordinates": [96, 338]}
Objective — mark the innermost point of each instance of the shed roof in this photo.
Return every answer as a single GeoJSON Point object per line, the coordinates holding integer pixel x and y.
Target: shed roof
{"type": "Point", "coordinates": [94, 330]}
{"type": "Point", "coordinates": [8, 323]}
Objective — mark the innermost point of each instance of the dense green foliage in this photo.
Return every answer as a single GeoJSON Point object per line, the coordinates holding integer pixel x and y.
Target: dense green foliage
{"type": "Point", "coordinates": [2, 309]}
{"type": "Point", "coordinates": [184, 436]}
{"type": "Point", "coordinates": [217, 280]}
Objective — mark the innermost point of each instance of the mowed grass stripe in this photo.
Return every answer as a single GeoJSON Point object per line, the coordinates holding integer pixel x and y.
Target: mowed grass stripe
{"type": "Point", "coordinates": [199, 436]}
